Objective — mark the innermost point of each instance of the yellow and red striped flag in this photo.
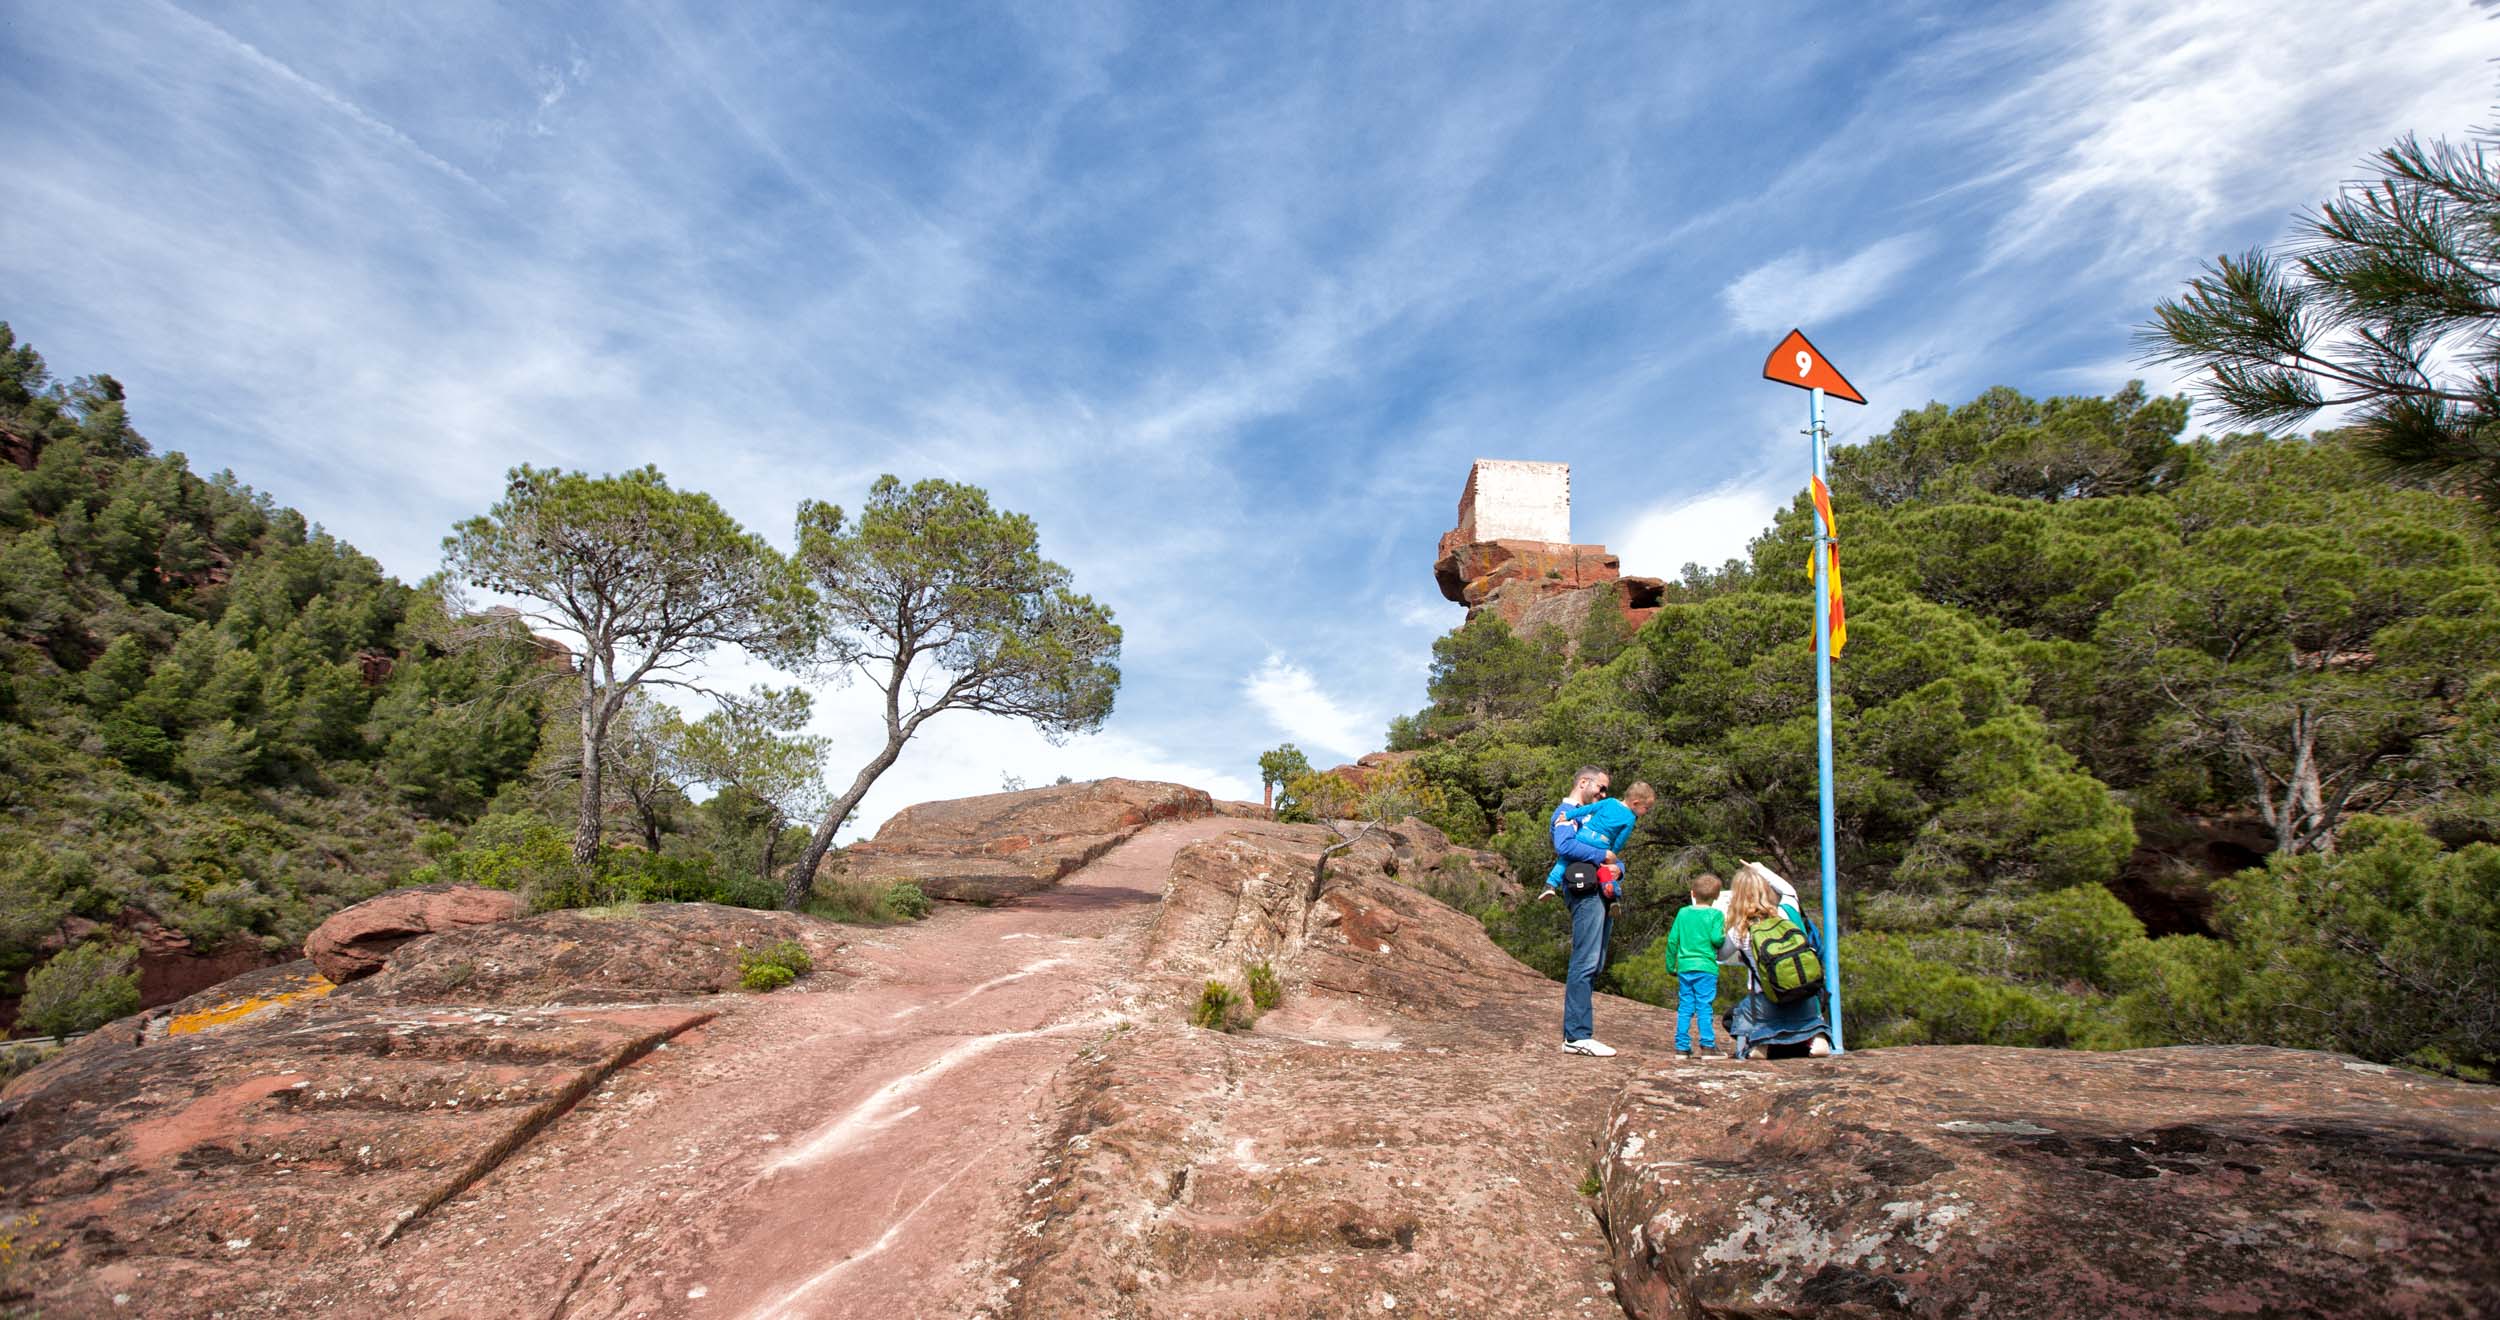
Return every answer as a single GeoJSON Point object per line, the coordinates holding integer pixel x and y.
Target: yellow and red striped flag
{"type": "Point", "coordinates": [1823, 511]}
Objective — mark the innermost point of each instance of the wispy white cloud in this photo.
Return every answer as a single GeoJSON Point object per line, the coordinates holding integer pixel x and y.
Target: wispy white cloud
{"type": "Point", "coordinates": [2146, 123]}
{"type": "Point", "coordinates": [364, 118]}
{"type": "Point", "coordinates": [1800, 289]}
{"type": "Point", "coordinates": [1291, 700]}
{"type": "Point", "coordinates": [1708, 530]}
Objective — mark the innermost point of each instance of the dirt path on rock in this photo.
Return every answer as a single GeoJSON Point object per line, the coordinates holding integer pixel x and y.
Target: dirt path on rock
{"type": "Point", "coordinates": [853, 1152]}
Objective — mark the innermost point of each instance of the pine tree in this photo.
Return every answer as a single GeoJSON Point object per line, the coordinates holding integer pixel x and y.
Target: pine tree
{"type": "Point", "coordinates": [2386, 300]}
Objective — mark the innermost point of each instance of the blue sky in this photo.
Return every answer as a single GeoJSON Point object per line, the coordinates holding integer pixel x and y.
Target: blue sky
{"type": "Point", "coordinates": [1226, 297]}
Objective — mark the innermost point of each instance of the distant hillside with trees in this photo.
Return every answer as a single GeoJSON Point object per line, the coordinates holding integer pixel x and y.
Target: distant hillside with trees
{"type": "Point", "coordinates": [214, 715]}
{"type": "Point", "coordinates": [219, 723]}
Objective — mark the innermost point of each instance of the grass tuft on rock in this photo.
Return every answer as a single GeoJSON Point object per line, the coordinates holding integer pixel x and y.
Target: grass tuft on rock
{"type": "Point", "coordinates": [1265, 993]}
{"type": "Point", "coordinates": [1218, 1008]}
{"type": "Point", "coordinates": [774, 966]}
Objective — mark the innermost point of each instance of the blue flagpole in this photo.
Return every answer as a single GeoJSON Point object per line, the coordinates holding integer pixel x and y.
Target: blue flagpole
{"type": "Point", "coordinates": [1823, 730]}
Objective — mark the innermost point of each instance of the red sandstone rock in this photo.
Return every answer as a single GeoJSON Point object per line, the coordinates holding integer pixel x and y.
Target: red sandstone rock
{"type": "Point", "coordinates": [1400, 1136]}
{"type": "Point", "coordinates": [1976, 1181]}
{"type": "Point", "coordinates": [657, 951]}
{"type": "Point", "coordinates": [355, 941]}
{"type": "Point", "coordinates": [1359, 773]}
{"type": "Point", "coordinates": [1533, 585]}
{"type": "Point", "coordinates": [19, 450]}
{"type": "Point", "coordinates": [1471, 572]}
{"type": "Point", "coordinates": [1529, 609]}
{"type": "Point", "coordinates": [186, 1158]}
{"type": "Point", "coordinates": [999, 845]}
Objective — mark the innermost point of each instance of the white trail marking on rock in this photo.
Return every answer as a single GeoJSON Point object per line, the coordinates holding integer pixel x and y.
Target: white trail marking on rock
{"type": "Point", "coordinates": [991, 984]}
{"type": "Point", "coordinates": [870, 1114]}
{"type": "Point", "coordinates": [780, 1306]}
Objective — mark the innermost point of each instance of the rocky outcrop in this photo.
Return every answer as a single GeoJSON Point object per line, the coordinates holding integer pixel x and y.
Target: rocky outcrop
{"type": "Point", "coordinates": [655, 951]}
{"type": "Point", "coordinates": [999, 845]}
{"type": "Point", "coordinates": [1416, 853]}
{"type": "Point", "coordinates": [183, 1157]}
{"type": "Point", "coordinates": [1399, 1136]}
{"type": "Point", "coordinates": [1358, 773]}
{"type": "Point", "coordinates": [1972, 1181]}
{"type": "Point", "coordinates": [356, 941]}
{"type": "Point", "coordinates": [1472, 572]}
{"type": "Point", "coordinates": [1366, 938]}
{"type": "Point", "coordinates": [18, 449]}
{"type": "Point", "coordinates": [170, 964]}
{"type": "Point", "coordinates": [1534, 584]}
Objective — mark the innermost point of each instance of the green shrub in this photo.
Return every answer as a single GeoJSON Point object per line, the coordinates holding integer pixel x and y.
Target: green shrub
{"type": "Point", "coordinates": [83, 987]}
{"type": "Point", "coordinates": [865, 904]}
{"type": "Point", "coordinates": [1892, 996]}
{"type": "Point", "coordinates": [764, 978]}
{"type": "Point", "coordinates": [904, 899]}
{"type": "Point", "coordinates": [2074, 934]}
{"type": "Point", "coordinates": [1217, 1009]}
{"type": "Point", "coordinates": [523, 852]}
{"type": "Point", "coordinates": [774, 966]}
{"type": "Point", "coordinates": [747, 890]}
{"type": "Point", "coordinates": [633, 875]}
{"type": "Point", "coordinates": [1645, 976]}
{"type": "Point", "coordinates": [1265, 993]}
{"type": "Point", "coordinates": [2385, 947]}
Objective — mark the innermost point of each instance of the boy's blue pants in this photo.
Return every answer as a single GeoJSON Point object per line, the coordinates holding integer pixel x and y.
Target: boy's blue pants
{"type": "Point", "coordinates": [1696, 994]}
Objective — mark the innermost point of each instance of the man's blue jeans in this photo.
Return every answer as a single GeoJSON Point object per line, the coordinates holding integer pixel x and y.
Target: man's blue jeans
{"type": "Point", "coordinates": [1592, 924]}
{"type": "Point", "coordinates": [1696, 997]}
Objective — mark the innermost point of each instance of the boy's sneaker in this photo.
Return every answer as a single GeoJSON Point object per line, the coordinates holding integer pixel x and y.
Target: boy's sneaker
{"type": "Point", "coordinates": [1820, 1047]}
{"type": "Point", "coordinates": [1683, 1054]}
{"type": "Point", "coordinates": [1591, 1046]}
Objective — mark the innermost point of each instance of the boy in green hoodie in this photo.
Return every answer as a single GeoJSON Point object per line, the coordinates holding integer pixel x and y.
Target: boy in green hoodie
{"type": "Point", "coordinates": [1693, 955]}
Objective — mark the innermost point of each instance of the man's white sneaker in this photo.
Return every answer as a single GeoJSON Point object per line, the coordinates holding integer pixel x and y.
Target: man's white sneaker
{"type": "Point", "coordinates": [1591, 1046]}
{"type": "Point", "coordinates": [1820, 1047]}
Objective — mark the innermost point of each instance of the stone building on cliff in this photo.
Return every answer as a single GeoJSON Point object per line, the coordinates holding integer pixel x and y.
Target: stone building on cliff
{"type": "Point", "coordinates": [1512, 553]}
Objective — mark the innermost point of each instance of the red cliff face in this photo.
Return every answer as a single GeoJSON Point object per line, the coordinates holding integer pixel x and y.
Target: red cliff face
{"type": "Point", "coordinates": [21, 450]}
{"type": "Point", "coordinates": [1538, 584]}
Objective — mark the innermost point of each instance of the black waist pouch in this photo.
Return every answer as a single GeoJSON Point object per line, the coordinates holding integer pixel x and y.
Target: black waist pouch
{"type": "Point", "coordinates": [1579, 878]}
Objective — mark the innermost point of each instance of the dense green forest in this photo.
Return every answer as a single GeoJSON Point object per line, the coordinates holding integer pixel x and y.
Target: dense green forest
{"type": "Point", "coordinates": [211, 712]}
{"type": "Point", "coordinates": [217, 717]}
{"type": "Point", "coordinates": [2138, 740]}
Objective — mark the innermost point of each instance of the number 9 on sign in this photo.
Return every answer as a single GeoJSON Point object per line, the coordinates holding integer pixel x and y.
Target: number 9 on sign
{"type": "Point", "coordinates": [1798, 362]}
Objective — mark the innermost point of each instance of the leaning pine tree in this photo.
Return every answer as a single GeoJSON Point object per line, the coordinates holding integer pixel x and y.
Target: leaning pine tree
{"type": "Point", "coordinates": [944, 603]}
{"type": "Point", "coordinates": [648, 579]}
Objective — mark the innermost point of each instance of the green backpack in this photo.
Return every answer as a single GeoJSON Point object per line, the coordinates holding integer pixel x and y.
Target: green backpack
{"type": "Point", "coordinates": [1785, 960]}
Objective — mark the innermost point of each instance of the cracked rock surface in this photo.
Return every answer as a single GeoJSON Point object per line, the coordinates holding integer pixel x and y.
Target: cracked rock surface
{"type": "Point", "coordinates": [1975, 1180]}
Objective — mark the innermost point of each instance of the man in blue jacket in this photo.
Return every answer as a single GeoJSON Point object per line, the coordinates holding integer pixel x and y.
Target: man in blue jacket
{"type": "Point", "coordinates": [1591, 828]}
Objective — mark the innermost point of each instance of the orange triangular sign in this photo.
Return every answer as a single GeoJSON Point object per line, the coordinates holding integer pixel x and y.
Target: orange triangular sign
{"type": "Point", "coordinates": [1798, 362]}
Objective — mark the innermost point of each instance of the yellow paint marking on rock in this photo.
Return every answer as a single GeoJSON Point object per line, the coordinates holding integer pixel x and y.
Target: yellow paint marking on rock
{"type": "Point", "coordinates": [311, 985]}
